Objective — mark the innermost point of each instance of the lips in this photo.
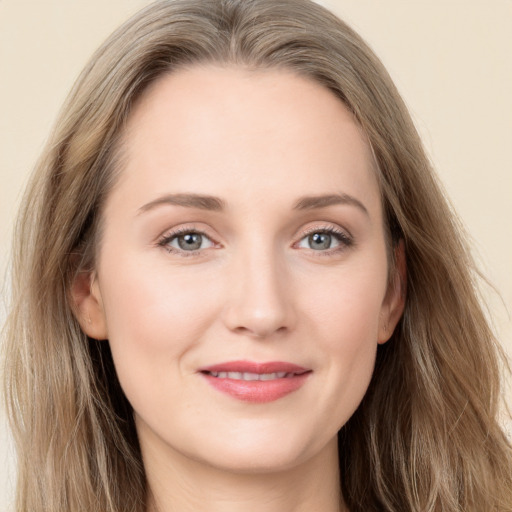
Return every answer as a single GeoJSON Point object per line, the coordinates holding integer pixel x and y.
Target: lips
{"type": "Point", "coordinates": [255, 382]}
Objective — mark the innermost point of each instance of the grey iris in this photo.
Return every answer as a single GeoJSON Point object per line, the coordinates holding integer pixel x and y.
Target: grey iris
{"type": "Point", "coordinates": [190, 241]}
{"type": "Point", "coordinates": [319, 241]}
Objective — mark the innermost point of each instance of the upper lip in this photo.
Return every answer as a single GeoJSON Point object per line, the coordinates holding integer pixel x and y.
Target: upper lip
{"type": "Point", "coordinates": [255, 367]}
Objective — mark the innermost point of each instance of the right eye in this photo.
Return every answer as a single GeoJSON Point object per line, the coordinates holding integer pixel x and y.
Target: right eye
{"type": "Point", "coordinates": [186, 241]}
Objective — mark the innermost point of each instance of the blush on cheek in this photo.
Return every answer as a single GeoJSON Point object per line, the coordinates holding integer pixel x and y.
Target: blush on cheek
{"type": "Point", "coordinates": [156, 302]}
{"type": "Point", "coordinates": [351, 314]}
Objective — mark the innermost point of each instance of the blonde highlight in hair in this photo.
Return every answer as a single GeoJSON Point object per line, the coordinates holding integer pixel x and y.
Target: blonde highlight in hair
{"type": "Point", "coordinates": [425, 437]}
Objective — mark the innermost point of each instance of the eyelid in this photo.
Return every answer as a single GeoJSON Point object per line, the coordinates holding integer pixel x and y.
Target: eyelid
{"type": "Point", "coordinates": [327, 227]}
{"type": "Point", "coordinates": [170, 234]}
{"type": "Point", "coordinates": [344, 237]}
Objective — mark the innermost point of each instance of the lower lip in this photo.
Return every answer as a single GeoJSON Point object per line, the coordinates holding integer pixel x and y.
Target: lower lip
{"type": "Point", "coordinates": [257, 391]}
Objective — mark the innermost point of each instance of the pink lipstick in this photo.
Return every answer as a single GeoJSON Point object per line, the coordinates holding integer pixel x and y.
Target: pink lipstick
{"type": "Point", "coordinates": [256, 382]}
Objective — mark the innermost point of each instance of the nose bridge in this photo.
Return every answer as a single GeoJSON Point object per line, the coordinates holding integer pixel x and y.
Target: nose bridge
{"type": "Point", "coordinates": [259, 301]}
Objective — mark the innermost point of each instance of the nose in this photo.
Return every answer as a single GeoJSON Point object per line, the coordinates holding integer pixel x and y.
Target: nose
{"type": "Point", "coordinates": [260, 302]}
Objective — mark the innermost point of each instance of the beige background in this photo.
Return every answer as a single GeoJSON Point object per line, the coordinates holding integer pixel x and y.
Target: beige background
{"type": "Point", "coordinates": [450, 59]}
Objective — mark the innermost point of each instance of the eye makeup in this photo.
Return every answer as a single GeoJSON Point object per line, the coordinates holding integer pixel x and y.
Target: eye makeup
{"type": "Point", "coordinates": [325, 240]}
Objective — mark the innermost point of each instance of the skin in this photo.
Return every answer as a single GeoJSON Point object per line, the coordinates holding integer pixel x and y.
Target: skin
{"type": "Point", "coordinates": [257, 289]}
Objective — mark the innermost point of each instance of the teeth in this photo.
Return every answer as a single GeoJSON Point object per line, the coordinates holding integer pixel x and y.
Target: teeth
{"type": "Point", "coordinates": [250, 376]}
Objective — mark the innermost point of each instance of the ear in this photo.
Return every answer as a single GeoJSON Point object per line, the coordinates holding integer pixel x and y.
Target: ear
{"type": "Point", "coordinates": [394, 301]}
{"type": "Point", "coordinates": [88, 305]}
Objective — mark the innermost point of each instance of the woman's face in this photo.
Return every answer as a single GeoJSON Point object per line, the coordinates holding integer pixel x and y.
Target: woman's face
{"type": "Point", "coordinates": [242, 277]}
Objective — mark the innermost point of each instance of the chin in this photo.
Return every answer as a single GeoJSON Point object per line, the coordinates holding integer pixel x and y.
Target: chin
{"type": "Point", "coordinates": [258, 462]}
{"type": "Point", "coordinates": [260, 452]}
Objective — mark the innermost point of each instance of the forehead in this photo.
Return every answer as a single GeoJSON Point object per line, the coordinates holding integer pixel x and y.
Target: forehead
{"type": "Point", "coordinates": [229, 130]}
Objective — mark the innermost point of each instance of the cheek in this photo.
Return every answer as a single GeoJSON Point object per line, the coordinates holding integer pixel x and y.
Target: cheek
{"type": "Point", "coordinates": [346, 305]}
{"type": "Point", "coordinates": [344, 317]}
{"type": "Point", "coordinates": [148, 298]}
{"type": "Point", "coordinates": [153, 318]}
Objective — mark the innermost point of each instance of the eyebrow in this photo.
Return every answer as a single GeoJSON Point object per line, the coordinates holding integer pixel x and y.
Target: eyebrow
{"type": "Point", "coordinates": [205, 202]}
{"type": "Point", "coordinates": [323, 201]}
{"type": "Point", "coordinates": [187, 200]}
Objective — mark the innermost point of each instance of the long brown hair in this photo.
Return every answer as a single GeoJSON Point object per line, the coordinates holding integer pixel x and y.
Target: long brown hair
{"type": "Point", "coordinates": [425, 437]}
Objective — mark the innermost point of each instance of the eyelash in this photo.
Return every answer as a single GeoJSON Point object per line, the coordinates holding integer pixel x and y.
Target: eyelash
{"type": "Point", "coordinates": [169, 237]}
{"type": "Point", "coordinates": [345, 240]}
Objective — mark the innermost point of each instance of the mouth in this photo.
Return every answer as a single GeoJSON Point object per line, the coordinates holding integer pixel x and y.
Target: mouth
{"type": "Point", "coordinates": [256, 382]}
{"type": "Point", "coordinates": [248, 376]}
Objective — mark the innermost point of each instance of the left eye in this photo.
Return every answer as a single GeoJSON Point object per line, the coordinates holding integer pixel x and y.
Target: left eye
{"type": "Point", "coordinates": [320, 241]}
{"type": "Point", "coordinates": [190, 241]}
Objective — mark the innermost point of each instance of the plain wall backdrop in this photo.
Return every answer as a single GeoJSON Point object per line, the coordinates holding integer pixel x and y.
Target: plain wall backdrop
{"type": "Point", "coordinates": [450, 59]}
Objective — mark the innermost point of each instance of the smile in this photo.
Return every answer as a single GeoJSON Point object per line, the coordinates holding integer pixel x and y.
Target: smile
{"type": "Point", "coordinates": [256, 382]}
{"type": "Point", "coordinates": [251, 376]}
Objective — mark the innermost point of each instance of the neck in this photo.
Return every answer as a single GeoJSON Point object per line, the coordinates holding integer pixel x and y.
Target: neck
{"type": "Point", "coordinates": [188, 485]}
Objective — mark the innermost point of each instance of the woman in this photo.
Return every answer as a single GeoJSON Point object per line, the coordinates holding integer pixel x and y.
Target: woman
{"type": "Point", "coordinates": [236, 199]}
